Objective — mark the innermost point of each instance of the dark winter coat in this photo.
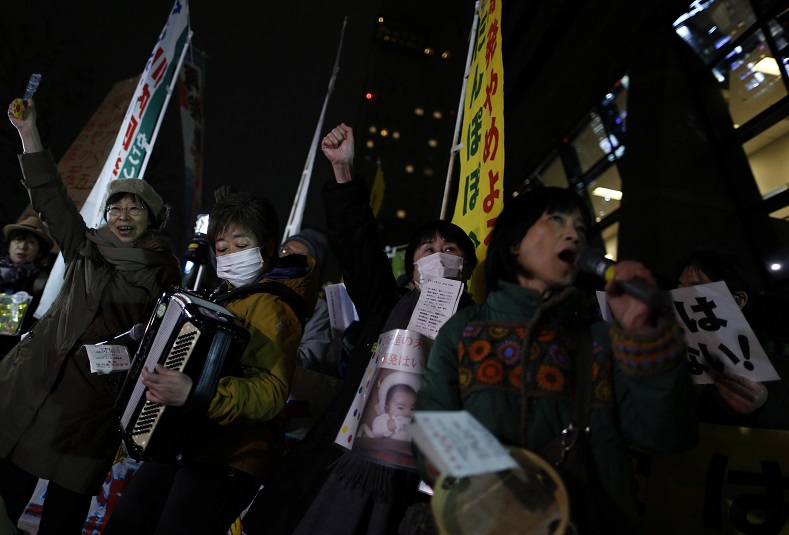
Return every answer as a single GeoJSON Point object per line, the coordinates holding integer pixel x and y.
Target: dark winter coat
{"type": "Point", "coordinates": [57, 419]}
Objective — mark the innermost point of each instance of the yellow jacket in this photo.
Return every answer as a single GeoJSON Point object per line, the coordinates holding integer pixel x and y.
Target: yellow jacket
{"type": "Point", "coordinates": [249, 434]}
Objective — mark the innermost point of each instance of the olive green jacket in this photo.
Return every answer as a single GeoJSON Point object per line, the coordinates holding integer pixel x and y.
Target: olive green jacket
{"type": "Point", "coordinates": [57, 419]}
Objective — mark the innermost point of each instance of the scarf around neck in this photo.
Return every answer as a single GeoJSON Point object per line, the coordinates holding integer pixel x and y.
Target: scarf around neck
{"type": "Point", "coordinates": [122, 256]}
{"type": "Point", "coordinates": [14, 273]}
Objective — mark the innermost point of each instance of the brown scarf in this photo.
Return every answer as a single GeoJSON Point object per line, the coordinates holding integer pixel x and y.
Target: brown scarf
{"type": "Point", "coordinates": [146, 252]}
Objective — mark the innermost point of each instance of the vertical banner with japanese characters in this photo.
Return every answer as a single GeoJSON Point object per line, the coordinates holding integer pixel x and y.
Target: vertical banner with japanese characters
{"type": "Point", "coordinates": [137, 134]}
{"type": "Point", "coordinates": [480, 190]}
{"type": "Point", "coordinates": [191, 84]}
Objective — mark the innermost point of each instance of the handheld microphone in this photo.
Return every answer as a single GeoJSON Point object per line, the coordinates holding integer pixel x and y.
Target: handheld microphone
{"type": "Point", "coordinates": [134, 334]}
{"type": "Point", "coordinates": [593, 261]}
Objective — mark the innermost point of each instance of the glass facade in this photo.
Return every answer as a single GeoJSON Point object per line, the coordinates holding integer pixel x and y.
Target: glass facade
{"type": "Point", "coordinates": [750, 79]}
{"type": "Point", "coordinates": [709, 26]}
{"type": "Point", "coordinates": [746, 45]}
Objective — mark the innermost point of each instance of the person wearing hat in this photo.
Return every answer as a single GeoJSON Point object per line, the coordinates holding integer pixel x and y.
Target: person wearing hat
{"type": "Point", "coordinates": [24, 269]}
{"type": "Point", "coordinates": [28, 240]}
{"type": "Point", "coordinates": [316, 339]}
{"type": "Point", "coordinates": [57, 419]}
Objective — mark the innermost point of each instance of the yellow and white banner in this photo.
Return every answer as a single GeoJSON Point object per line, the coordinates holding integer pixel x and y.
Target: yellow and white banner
{"type": "Point", "coordinates": [480, 190]}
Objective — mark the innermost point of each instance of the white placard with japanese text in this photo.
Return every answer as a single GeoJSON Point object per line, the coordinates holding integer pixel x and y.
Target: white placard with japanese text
{"type": "Point", "coordinates": [107, 358]}
{"type": "Point", "coordinates": [717, 333]}
{"type": "Point", "coordinates": [398, 350]}
{"type": "Point", "coordinates": [342, 312]}
{"type": "Point", "coordinates": [438, 301]}
{"type": "Point", "coordinates": [458, 445]}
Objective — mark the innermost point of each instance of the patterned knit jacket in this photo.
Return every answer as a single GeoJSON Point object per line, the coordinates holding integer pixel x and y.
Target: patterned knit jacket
{"type": "Point", "coordinates": [510, 363]}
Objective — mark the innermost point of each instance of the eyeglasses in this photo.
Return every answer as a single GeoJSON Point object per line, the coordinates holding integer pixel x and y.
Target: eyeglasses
{"type": "Point", "coordinates": [134, 211]}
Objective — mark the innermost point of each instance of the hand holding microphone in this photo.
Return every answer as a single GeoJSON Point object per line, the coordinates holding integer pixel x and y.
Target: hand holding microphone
{"type": "Point", "coordinates": [593, 261]}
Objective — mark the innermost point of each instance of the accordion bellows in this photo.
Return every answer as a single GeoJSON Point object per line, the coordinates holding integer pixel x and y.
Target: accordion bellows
{"type": "Point", "coordinates": [192, 335]}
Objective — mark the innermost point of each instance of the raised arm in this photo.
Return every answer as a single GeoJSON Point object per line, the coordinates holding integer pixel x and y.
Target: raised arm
{"type": "Point", "coordinates": [353, 231]}
{"type": "Point", "coordinates": [338, 148]}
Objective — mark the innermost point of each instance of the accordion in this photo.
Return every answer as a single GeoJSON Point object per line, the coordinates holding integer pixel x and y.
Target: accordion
{"type": "Point", "coordinates": [192, 335]}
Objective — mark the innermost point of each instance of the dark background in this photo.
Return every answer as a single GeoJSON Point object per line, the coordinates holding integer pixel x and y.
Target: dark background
{"type": "Point", "coordinates": [268, 69]}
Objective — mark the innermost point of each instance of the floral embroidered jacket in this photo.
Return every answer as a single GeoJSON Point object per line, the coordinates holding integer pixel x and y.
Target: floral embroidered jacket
{"type": "Point", "coordinates": [510, 363]}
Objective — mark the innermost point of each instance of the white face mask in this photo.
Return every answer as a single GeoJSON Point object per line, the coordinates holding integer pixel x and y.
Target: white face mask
{"type": "Point", "coordinates": [243, 267]}
{"type": "Point", "coordinates": [443, 265]}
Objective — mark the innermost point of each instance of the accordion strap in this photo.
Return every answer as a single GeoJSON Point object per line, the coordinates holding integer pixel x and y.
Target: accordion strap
{"type": "Point", "coordinates": [290, 297]}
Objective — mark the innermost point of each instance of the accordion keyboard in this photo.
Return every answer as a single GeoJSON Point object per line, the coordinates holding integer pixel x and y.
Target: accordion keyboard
{"type": "Point", "coordinates": [176, 360]}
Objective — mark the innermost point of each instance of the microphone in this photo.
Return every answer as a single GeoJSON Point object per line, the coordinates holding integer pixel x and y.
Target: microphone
{"type": "Point", "coordinates": [593, 261]}
{"type": "Point", "coordinates": [132, 335]}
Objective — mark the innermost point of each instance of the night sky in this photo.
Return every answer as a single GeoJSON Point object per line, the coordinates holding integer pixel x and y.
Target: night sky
{"type": "Point", "coordinates": [269, 64]}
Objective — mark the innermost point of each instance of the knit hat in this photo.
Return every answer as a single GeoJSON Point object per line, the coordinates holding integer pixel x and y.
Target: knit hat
{"type": "Point", "coordinates": [414, 380]}
{"type": "Point", "coordinates": [136, 186]}
{"type": "Point", "coordinates": [33, 225]}
{"type": "Point", "coordinates": [315, 241]}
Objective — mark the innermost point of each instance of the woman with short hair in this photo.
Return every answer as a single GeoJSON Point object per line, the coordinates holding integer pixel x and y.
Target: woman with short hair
{"type": "Point", "coordinates": [57, 419]}
{"type": "Point", "coordinates": [24, 269]}
{"type": "Point", "coordinates": [513, 361]}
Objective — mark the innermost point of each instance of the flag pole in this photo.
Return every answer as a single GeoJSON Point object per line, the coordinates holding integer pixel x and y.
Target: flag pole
{"type": "Point", "coordinates": [167, 96]}
{"type": "Point", "coordinates": [297, 210]}
{"type": "Point", "coordinates": [456, 144]}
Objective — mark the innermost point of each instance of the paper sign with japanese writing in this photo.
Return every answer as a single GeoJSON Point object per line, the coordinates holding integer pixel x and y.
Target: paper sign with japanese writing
{"type": "Point", "coordinates": [438, 301]}
{"type": "Point", "coordinates": [458, 445]}
{"type": "Point", "coordinates": [342, 312]}
{"type": "Point", "coordinates": [480, 190]}
{"type": "Point", "coordinates": [717, 333]}
{"type": "Point", "coordinates": [108, 358]}
{"type": "Point", "coordinates": [378, 423]}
